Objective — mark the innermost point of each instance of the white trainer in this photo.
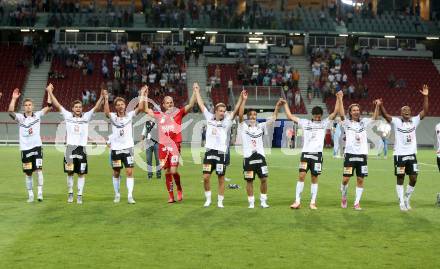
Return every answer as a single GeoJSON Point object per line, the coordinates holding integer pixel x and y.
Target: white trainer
{"type": "Point", "coordinates": [403, 208]}
{"type": "Point", "coordinates": [70, 198]}
{"type": "Point", "coordinates": [251, 205]}
{"type": "Point", "coordinates": [30, 199]}
{"type": "Point", "coordinates": [220, 204]}
{"type": "Point", "coordinates": [117, 198]}
{"type": "Point", "coordinates": [40, 197]}
{"type": "Point", "coordinates": [207, 203]}
{"type": "Point", "coordinates": [264, 204]}
{"type": "Point", "coordinates": [131, 200]}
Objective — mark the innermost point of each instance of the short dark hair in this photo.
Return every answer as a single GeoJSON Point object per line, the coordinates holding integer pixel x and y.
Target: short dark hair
{"type": "Point", "coordinates": [248, 112]}
{"type": "Point", "coordinates": [28, 100]}
{"type": "Point", "coordinates": [317, 110]}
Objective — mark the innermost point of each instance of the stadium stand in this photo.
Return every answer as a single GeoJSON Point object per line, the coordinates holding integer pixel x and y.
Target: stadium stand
{"type": "Point", "coordinates": [242, 78]}
{"type": "Point", "coordinates": [409, 77]}
{"type": "Point", "coordinates": [73, 74]}
{"type": "Point", "coordinates": [14, 67]}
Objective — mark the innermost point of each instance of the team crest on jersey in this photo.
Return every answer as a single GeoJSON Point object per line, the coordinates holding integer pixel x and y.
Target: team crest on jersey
{"type": "Point", "coordinates": [30, 131]}
{"type": "Point", "coordinates": [76, 129]}
{"type": "Point", "coordinates": [121, 132]}
{"type": "Point", "coordinates": [27, 166]}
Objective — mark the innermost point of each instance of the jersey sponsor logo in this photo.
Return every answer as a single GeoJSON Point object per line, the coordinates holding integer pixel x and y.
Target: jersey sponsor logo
{"type": "Point", "coordinates": [264, 170]}
{"type": "Point", "coordinates": [313, 157]}
{"type": "Point", "coordinates": [408, 158]}
{"type": "Point", "coordinates": [124, 151]}
{"type": "Point", "coordinates": [207, 167]}
{"type": "Point", "coordinates": [68, 166]}
{"type": "Point", "coordinates": [405, 131]}
{"type": "Point", "coordinates": [27, 166]}
{"type": "Point", "coordinates": [400, 170]}
{"type": "Point", "coordinates": [130, 160]}
{"type": "Point", "coordinates": [76, 156]}
{"type": "Point", "coordinates": [213, 157]}
{"type": "Point", "coordinates": [116, 163]}
{"type": "Point", "coordinates": [303, 165]}
{"type": "Point", "coordinates": [30, 154]}
{"type": "Point", "coordinates": [254, 135]}
{"type": "Point", "coordinates": [356, 159]}
{"type": "Point", "coordinates": [167, 128]}
{"type": "Point", "coordinates": [248, 174]}
{"type": "Point", "coordinates": [348, 170]}
{"type": "Point", "coordinates": [255, 161]}
{"type": "Point", "coordinates": [39, 162]}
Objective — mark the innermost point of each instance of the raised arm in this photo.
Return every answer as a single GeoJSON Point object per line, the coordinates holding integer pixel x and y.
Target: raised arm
{"type": "Point", "coordinates": [11, 109]}
{"type": "Point", "coordinates": [55, 102]}
{"type": "Point", "coordinates": [289, 115]}
{"type": "Point", "coordinates": [199, 99]}
{"type": "Point", "coordinates": [237, 105]}
{"type": "Point", "coordinates": [279, 104]}
{"type": "Point", "coordinates": [193, 99]}
{"type": "Point", "coordinates": [99, 102]}
{"type": "Point", "coordinates": [48, 107]}
{"type": "Point", "coordinates": [376, 109]}
{"type": "Point", "coordinates": [241, 110]}
{"type": "Point", "coordinates": [341, 105]}
{"type": "Point", "coordinates": [141, 106]}
{"type": "Point", "coordinates": [384, 113]}
{"type": "Point", "coordinates": [333, 115]}
{"type": "Point", "coordinates": [425, 93]}
{"type": "Point", "coordinates": [106, 104]}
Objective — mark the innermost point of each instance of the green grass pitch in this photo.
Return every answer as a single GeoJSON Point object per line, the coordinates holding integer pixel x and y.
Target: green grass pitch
{"type": "Point", "coordinates": [154, 234]}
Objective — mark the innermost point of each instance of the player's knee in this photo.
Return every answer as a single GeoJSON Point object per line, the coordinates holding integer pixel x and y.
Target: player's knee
{"type": "Point", "coordinates": [28, 173]}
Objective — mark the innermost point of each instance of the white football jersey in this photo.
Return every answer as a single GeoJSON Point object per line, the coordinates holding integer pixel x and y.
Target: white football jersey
{"type": "Point", "coordinates": [122, 131]}
{"type": "Point", "coordinates": [29, 131]}
{"type": "Point", "coordinates": [313, 134]}
{"type": "Point", "coordinates": [356, 136]}
{"type": "Point", "coordinates": [405, 135]}
{"type": "Point", "coordinates": [437, 131]}
{"type": "Point", "coordinates": [252, 138]}
{"type": "Point", "coordinates": [77, 128]}
{"type": "Point", "coordinates": [217, 132]}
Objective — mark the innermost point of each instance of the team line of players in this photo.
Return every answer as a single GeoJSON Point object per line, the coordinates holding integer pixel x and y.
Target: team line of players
{"type": "Point", "coordinates": [217, 134]}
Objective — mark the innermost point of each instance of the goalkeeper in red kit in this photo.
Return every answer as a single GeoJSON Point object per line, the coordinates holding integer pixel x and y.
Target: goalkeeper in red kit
{"type": "Point", "coordinates": [169, 125]}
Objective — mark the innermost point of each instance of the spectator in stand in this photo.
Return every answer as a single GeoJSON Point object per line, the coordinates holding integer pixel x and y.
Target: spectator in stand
{"type": "Point", "coordinates": [105, 72]}
{"type": "Point", "coordinates": [93, 97]}
{"type": "Point", "coordinates": [85, 97]}
{"type": "Point", "coordinates": [230, 85]}
{"type": "Point", "coordinates": [297, 98]}
{"type": "Point", "coordinates": [90, 68]}
{"type": "Point", "coordinates": [295, 78]}
{"type": "Point", "coordinates": [391, 81]}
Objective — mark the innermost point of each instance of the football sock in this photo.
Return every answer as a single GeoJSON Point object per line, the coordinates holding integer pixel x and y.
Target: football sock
{"type": "Point", "coordinates": [116, 184]}
{"type": "Point", "coordinates": [299, 189]}
{"type": "Point", "coordinates": [169, 183]}
{"type": "Point", "coordinates": [344, 189]}
{"type": "Point", "coordinates": [130, 186]}
{"type": "Point", "coordinates": [358, 195]}
{"type": "Point", "coordinates": [314, 191]}
{"type": "Point", "coordinates": [409, 191]}
{"type": "Point", "coordinates": [29, 184]}
{"type": "Point", "coordinates": [177, 181]}
{"type": "Point", "coordinates": [251, 199]}
{"type": "Point", "coordinates": [399, 191]}
{"type": "Point", "coordinates": [81, 181]}
{"type": "Point", "coordinates": [220, 198]}
{"type": "Point", "coordinates": [263, 197]}
{"type": "Point", "coordinates": [40, 181]}
{"type": "Point", "coordinates": [70, 184]}
{"type": "Point", "coordinates": [208, 195]}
